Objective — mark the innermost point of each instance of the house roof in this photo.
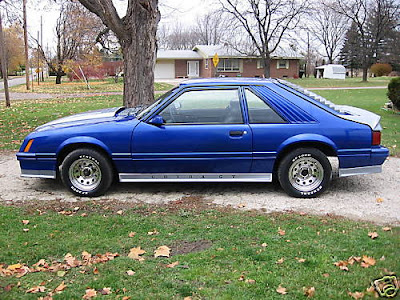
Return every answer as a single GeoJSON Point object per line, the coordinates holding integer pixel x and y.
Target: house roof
{"type": "Point", "coordinates": [208, 51]}
{"type": "Point", "coordinates": [178, 54]}
{"type": "Point", "coordinates": [223, 51]}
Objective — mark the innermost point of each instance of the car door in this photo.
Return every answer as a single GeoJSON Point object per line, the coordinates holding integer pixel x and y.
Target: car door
{"type": "Point", "coordinates": [203, 132]}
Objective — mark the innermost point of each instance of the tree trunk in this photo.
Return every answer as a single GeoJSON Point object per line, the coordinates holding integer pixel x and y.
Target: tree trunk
{"type": "Point", "coordinates": [267, 65]}
{"type": "Point", "coordinates": [139, 60]}
{"type": "Point", "coordinates": [365, 71]}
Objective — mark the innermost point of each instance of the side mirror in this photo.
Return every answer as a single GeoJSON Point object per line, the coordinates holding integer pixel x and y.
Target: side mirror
{"type": "Point", "coordinates": [157, 120]}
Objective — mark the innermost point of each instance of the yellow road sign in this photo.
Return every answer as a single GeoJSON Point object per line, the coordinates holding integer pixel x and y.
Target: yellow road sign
{"type": "Point", "coordinates": [215, 60]}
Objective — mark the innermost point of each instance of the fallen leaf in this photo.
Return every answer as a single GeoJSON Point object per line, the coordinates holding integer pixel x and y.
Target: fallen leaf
{"type": "Point", "coordinates": [105, 291]}
{"type": "Point", "coordinates": [126, 298]}
{"type": "Point", "coordinates": [135, 253]}
{"type": "Point", "coordinates": [386, 228]}
{"type": "Point", "coordinates": [300, 260]}
{"type": "Point", "coordinates": [281, 232]}
{"type": "Point", "coordinates": [367, 261]}
{"type": "Point", "coordinates": [373, 235]}
{"type": "Point", "coordinates": [60, 288]}
{"type": "Point", "coordinates": [356, 295]}
{"type": "Point", "coordinates": [130, 273]}
{"type": "Point", "coordinates": [250, 281]}
{"type": "Point", "coordinates": [173, 265]}
{"type": "Point", "coordinates": [326, 275]}
{"type": "Point", "coordinates": [342, 265]}
{"type": "Point", "coordinates": [379, 200]}
{"type": "Point", "coordinates": [220, 249]}
{"type": "Point", "coordinates": [61, 273]}
{"type": "Point", "coordinates": [154, 232]}
{"type": "Point", "coordinates": [83, 214]}
{"type": "Point", "coordinates": [309, 291]}
{"type": "Point", "coordinates": [131, 234]}
{"type": "Point", "coordinates": [163, 251]}
{"type": "Point", "coordinates": [281, 290]}
{"type": "Point", "coordinates": [71, 260]}
{"type": "Point", "coordinates": [86, 255]}
{"type": "Point", "coordinates": [25, 229]}
{"type": "Point", "coordinates": [96, 271]}
{"type": "Point", "coordinates": [120, 212]}
{"type": "Point", "coordinates": [241, 205]}
{"type": "Point", "coordinates": [89, 294]}
{"type": "Point", "coordinates": [280, 261]}
{"type": "Point", "coordinates": [187, 298]}
{"type": "Point", "coordinates": [25, 222]}
{"type": "Point", "coordinates": [264, 245]}
{"type": "Point", "coordinates": [241, 278]}
{"type": "Point", "coordinates": [13, 267]}
{"type": "Point", "coordinates": [36, 289]}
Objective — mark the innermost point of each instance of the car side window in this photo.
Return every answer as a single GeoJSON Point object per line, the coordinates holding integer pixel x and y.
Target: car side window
{"type": "Point", "coordinates": [259, 111]}
{"type": "Point", "coordinates": [204, 107]}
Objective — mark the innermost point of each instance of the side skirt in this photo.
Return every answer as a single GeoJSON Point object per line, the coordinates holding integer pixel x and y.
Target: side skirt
{"type": "Point", "coordinates": [195, 177]}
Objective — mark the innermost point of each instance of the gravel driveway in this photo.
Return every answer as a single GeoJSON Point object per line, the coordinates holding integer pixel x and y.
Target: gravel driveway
{"type": "Point", "coordinates": [373, 197]}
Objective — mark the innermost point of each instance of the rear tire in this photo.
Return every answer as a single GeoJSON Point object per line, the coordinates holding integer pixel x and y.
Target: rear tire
{"type": "Point", "coordinates": [86, 172]}
{"type": "Point", "coordinates": [305, 173]}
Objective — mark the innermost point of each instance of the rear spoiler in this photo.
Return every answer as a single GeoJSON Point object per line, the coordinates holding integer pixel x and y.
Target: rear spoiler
{"type": "Point", "coordinates": [361, 116]}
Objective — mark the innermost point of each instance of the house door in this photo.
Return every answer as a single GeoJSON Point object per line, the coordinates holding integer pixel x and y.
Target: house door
{"type": "Point", "coordinates": [193, 68]}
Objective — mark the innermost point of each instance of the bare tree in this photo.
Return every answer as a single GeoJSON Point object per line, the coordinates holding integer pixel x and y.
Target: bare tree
{"type": "Point", "coordinates": [329, 28]}
{"type": "Point", "coordinates": [373, 19]}
{"type": "Point", "coordinates": [266, 22]}
{"type": "Point", "coordinates": [76, 36]}
{"type": "Point", "coordinates": [211, 28]}
{"type": "Point", "coordinates": [136, 33]}
{"type": "Point", "coordinates": [26, 44]}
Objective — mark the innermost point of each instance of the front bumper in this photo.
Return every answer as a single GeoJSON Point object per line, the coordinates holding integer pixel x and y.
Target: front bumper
{"type": "Point", "coordinates": [37, 165]}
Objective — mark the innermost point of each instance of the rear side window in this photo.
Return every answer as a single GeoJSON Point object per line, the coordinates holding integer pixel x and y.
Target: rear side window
{"type": "Point", "coordinates": [259, 111]}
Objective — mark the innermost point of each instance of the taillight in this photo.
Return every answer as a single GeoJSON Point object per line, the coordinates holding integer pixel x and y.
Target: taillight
{"type": "Point", "coordinates": [376, 138]}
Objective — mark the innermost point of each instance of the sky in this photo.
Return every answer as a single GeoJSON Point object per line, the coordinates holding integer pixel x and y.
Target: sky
{"type": "Point", "coordinates": [185, 11]}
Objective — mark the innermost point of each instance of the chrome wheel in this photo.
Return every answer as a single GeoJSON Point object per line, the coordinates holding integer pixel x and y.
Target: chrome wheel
{"type": "Point", "coordinates": [85, 174]}
{"type": "Point", "coordinates": [306, 174]}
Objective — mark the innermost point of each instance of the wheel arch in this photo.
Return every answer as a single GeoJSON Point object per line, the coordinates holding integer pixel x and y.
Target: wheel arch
{"type": "Point", "coordinates": [83, 142]}
{"type": "Point", "coordinates": [321, 143]}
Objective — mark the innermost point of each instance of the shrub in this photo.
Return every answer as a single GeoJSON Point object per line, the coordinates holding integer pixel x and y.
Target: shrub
{"type": "Point", "coordinates": [394, 91]}
{"type": "Point", "coordinates": [381, 69]}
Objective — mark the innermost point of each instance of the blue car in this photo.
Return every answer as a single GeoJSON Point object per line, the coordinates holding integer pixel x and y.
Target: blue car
{"type": "Point", "coordinates": [210, 130]}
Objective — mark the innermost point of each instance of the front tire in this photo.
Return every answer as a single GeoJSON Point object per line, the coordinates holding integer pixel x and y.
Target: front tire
{"type": "Point", "coordinates": [305, 173]}
{"type": "Point", "coordinates": [86, 172]}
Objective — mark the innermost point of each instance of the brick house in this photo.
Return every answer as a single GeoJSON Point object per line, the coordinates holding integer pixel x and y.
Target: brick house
{"type": "Point", "coordinates": [198, 63]}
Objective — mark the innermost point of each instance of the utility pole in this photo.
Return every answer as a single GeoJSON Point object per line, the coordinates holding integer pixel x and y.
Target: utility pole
{"type": "Point", "coordinates": [38, 60]}
{"type": "Point", "coordinates": [4, 63]}
{"type": "Point", "coordinates": [41, 44]}
{"type": "Point", "coordinates": [26, 45]}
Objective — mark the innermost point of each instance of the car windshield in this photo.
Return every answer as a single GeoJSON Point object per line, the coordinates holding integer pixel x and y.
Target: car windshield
{"type": "Point", "coordinates": [145, 110]}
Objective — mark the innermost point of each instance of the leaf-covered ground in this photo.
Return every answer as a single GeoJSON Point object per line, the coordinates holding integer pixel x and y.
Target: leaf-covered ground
{"type": "Point", "coordinates": [187, 249]}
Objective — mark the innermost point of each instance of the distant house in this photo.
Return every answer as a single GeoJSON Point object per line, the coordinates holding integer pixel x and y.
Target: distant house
{"type": "Point", "coordinates": [331, 71]}
{"type": "Point", "coordinates": [198, 63]}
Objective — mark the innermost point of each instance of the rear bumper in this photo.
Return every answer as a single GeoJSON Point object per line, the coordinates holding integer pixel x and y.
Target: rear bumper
{"type": "Point", "coordinates": [363, 161]}
{"type": "Point", "coordinates": [37, 165]}
{"type": "Point", "coordinates": [360, 170]}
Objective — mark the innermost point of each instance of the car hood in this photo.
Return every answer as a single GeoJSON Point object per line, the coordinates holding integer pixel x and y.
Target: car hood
{"type": "Point", "coordinates": [90, 117]}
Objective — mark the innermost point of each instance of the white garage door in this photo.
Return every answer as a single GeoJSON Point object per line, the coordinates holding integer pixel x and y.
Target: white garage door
{"type": "Point", "coordinates": [164, 70]}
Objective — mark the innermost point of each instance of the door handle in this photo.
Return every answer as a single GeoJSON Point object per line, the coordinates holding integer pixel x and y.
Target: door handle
{"type": "Point", "coordinates": [237, 132]}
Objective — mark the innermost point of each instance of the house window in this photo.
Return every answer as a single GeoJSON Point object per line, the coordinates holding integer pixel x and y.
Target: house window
{"type": "Point", "coordinates": [206, 64]}
{"type": "Point", "coordinates": [260, 64]}
{"type": "Point", "coordinates": [282, 64]}
{"type": "Point", "coordinates": [228, 65]}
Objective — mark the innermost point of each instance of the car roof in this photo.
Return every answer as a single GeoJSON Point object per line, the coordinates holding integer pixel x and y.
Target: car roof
{"type": "Point", "coordinates": [227, 81]}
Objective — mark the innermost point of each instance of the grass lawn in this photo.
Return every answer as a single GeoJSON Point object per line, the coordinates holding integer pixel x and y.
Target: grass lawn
{"type": "Point", "coordinates": [68, 87]}
{"type": "Point", "coordinates": [220, 254]}
{"type": "Point", "coordinates": [348, 82]}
